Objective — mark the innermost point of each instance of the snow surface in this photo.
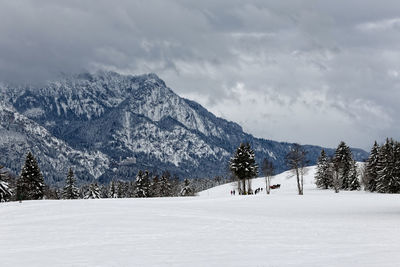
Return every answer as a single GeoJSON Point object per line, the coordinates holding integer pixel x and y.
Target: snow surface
{"type": "Point", "coordinates": [320, 228]}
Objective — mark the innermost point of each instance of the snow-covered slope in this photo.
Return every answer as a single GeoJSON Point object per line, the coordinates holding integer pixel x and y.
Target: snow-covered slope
{"type": "Point", "coordinates": [18, 134]}
{"type": "Point", "coordinates": [287, 180]}
{"type": "Point", "coordinates": [320, 228]}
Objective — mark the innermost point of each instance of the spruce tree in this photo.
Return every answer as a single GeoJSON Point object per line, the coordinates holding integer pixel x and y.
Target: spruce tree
{"type": "Point", "coordinates": [354, 183]}
{"type": "Point", "coordinates": [388, 178]}
{"type": "Point", "coordinates": [371, 173]}
{"type": "Point", "coordinates": [243, 166]}
{"type": "Point", "coordinates": [30, 185]}
{"type": "Point", "coordinates": [142, 184]}
{"type": "Point", "coordinates": [70, 190]}
{"type": "Point", "coordinates": [113, 190]}
{"type": "Point", "coordinates": [121, 189]}
{"type": "Point", "coordinates": [165, 185]}
{"type": "Point", "coordinates": [155, 187]}
{"type": "Point", "coordinates": [93, 192]}
{"type": "Point", "coordinates": [186, 190]}
{"type": "Point", "coordinates": [343, 160]}
{"type": "Point", "coordinates": [5, 190]}
{"type": "Point", "coordinates": [323, 176]}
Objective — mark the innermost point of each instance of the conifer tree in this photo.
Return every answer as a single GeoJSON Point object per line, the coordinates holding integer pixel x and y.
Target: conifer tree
{"type": "Point", "coordinates": [354, 183]}
{"type": "Point", "coordinates": [243, 165]}
{"type": "Point", "coordinates": [70, 189]}
{"type": "Point", "coordinates": [142, 184]}
{"type": "Point", "coordinates": [93, 192]}
{"type": "Point", "coordinates": [5, 190]}
{"type": "Point", "coordinates": [371, 173]}
{"type": "Point", "coordinates": [323, 176]}
{"type": "Point", "coordinates": [186, 190]}
{"type": "Point", "coordinates": [121, 189]}
{"type": "Point", "coordinates": [343, 160]}
{"type": "Point", "coordinates": [155, 187]}
{"type": "Point", "coordinates": [113, 190]}
{"type": "Point", "coordinates": [30, 185]}
{"type": "Point", "coordinates": [165, 185]}
{"type": "Point", "coordinates": [388, 178]}
{"type": "Point", "coordinates": [175, 185]}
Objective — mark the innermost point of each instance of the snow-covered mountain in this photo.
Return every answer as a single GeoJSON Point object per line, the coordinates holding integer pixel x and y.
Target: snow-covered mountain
{"type": "Point", "coordinates": [97, 123]}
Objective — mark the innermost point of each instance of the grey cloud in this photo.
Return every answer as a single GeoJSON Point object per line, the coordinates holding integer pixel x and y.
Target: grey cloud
{"type": "Point", "coordinates": [343, 52]}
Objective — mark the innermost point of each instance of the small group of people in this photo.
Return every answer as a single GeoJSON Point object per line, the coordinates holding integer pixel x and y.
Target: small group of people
{"type": "Point", "coordinates": [258, 190]}
{"type": "Point", "coordinates": [233, 192]}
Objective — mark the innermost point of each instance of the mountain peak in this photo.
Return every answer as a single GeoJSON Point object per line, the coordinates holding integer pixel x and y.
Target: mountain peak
{"type": "Point", "coordinates": [106, 117]}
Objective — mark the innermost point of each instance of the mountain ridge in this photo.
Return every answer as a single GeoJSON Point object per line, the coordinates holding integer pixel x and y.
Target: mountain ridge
{"type": "Point", "coordinates": [124, 116]}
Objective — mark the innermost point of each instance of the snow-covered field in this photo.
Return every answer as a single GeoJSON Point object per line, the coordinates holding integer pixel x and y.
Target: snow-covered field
{"type": "Point", "coordinates": [320, 228]}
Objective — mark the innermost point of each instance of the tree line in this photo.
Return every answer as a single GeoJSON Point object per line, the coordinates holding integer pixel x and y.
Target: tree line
{"type": "Point", "coordinates": [30, 185]}
{"type": "Point", "coordinates": [380, 173]}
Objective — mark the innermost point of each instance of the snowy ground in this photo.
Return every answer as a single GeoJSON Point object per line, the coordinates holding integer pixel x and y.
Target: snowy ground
{"type": "Point", "coordinates": [320, 228]}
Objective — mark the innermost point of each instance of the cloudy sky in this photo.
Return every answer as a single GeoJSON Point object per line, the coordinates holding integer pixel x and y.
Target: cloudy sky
{"type": "Point", "coordinates": [313, 72]}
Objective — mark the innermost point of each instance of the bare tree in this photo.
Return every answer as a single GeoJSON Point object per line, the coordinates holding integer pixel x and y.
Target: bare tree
{"type": "Point", "coordinates": [296, 161]}
{"type": "Point", "coordinates": [268, 170]}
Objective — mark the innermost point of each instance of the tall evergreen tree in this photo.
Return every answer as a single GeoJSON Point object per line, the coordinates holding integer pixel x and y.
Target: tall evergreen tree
{"type": "Point", "coordinates": [5, 190]}
{"type": "Point", "coordinates": [165, 185]}
{"type": "Point", "coordinates": [343, 160]}
{"type": "Point", "coordinates": [155, 187]}
{"type": "Point", "coordinates": [243, 165]}
{"type": "Point", "coordinates": [113, 190]}
{"type": "Point", "coordinates": [323, 176]}
{"type": "Point", "coordinates": [354, 183]}
{"type": "Point", "coordinates": [93, 192]}
{"type": "Point", "coordinates": [30, 185]}
{"type": "Point", "coordinates": [70, 190]}
{"type": "Point", "coordinates": [142, 184]}
{"type": "Point", "coordinates": [388, 178]}
{"type": "Point", "coordinates": [187, 189]}
{"type": "Point", "coordinates": [371, 171]}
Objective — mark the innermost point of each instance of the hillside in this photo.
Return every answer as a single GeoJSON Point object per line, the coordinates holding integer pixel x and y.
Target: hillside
{"type": "Point", "coordinates": [320, 228]}
{"type": "Point", "coordinates": [102, 120]}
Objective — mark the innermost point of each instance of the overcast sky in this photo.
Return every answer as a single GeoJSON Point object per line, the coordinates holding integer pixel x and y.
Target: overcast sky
{"type": "Point", "coordinates": [313, 72]}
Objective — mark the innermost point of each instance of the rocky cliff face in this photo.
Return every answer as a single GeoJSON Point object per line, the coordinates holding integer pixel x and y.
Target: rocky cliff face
{"type": "Point", "coordinates": [96, 123]}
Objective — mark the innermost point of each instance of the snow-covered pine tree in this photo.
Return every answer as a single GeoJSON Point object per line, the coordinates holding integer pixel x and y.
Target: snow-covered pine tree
{"type": "Point", "coordinates": [397, 165]}
{"type": "Point", "coordinates": [155, 187]}
{"type": "Point", "coordinates": [122, 189]}
{"type": "Point", "coordinates": [142, 184]}
{"type": "Point", "coordinates": [70, 190]}
{"type": "Point", "coordinates": [165, 185]}
{"type": "Point", "coordinates": [5, 190]}
{"type": "Point", "coordinates": [388, 178]}
{"type": "Point", "coordinates": [343, 160]}
{"type": "Point", "coordinates": [354, 183]}
{"type": "Point", "coordinates": [186, 190]}
{"type": "Point", "coordinates": [323, 176]}
{"type": "Point", "coordinates": [103, 191]}
{"type": "Point", "coordinates": [371, 169]}
{"type": "Point", "coordinates": [30, 184]}
{"type": "Point", "coordinates": [113, 190]}
{"type": "Point", "coordinates": [243, 166]}
{"type": "Point", "coordinates": [93, 192]}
